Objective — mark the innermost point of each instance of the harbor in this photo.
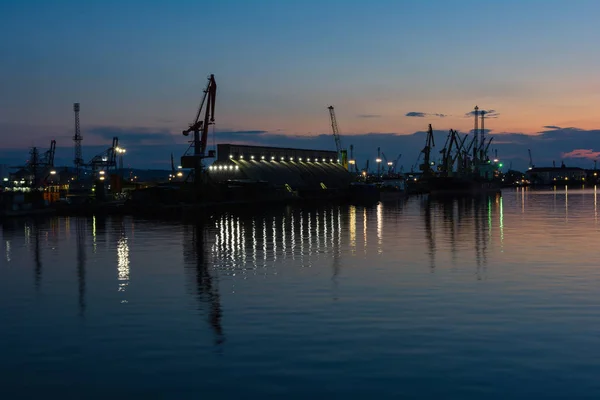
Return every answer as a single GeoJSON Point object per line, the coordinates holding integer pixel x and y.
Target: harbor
{"type": "Point", "coordinates": [238, 175]}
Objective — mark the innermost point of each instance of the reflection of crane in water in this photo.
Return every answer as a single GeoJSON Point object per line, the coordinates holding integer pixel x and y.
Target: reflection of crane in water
{"type": "Point", "coordinates": [37, 256]}
{"type": "Point", "coordinates": [430, 236]}
{"type": "Point", "coordinates": [81, 259]}
{"type": "Point", "coordinates": [206, 289]}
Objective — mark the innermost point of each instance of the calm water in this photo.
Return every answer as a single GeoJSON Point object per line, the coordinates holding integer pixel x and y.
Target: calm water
{"type": "Point", "coordinates": [485, 298]}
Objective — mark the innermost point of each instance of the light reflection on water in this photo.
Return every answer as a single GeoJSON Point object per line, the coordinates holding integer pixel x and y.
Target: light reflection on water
{"type": "Point", "coordinates": [422, 297]}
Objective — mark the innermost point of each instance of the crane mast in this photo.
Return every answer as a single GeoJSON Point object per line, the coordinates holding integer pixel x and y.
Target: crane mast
{"type": "Point", "coordinates": [342, 154]}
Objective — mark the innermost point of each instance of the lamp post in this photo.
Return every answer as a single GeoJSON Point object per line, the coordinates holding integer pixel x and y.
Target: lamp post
{"type": "Point", "coordinates": [120, 152]}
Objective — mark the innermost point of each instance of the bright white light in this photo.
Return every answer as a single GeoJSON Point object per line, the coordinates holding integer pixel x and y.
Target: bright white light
{"type": "Point", "coordinates": [308, 159]}
{"type": "Point", "coordinates": [180, 174]}
{"type": "Point", "coordinates": [262, 157]}
{"type": "Point", "coordinates": [323, 160]}
{"type": "Point", "coordinates": [282, 158]}
{"type": "Point", "coordinates": [236, 167]}
{"type": "Point", "coordinates": [378, 160]}
{"type": "Point", "coordinates": [5, 179]}
{"type": "Point", "coordinates": [299, 158]}
{"type": "Point", "coordinates": [272, 158]}
{"type": "Point", "coordinates": [51, 173]}
{"type": "Point", "coordinates": [252, 157]}
{"type": "Point", "coordinates": [241, 156]}
{"type": "Point", "coordinates": [102, 172]}
{"type": "Point", "coordinates": [231, 156]}
{"type": "Point", "coordinates": [101, 178]}
{"type": "Point", "coordinates": [291, 158]}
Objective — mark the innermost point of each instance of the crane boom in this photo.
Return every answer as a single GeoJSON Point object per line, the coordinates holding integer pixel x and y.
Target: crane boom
{"type": "Point", "coordinates": [199, 125]}
{"type": "Point", "coordinates": [334, 128]}
{"type": "Point", "coordinates": [342, 153]}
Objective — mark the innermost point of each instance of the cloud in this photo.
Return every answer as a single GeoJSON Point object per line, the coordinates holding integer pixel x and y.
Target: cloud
{"type": "Point", "coordinates": [551, 127]}
{"type": "Point", "coordinates": [488, 113]}
{"type": "Point", "coordinates": [132, 136]}
{"type": "Point", "coordinates": [423, 114]}
{"type": "Point", "coordinates": [369, 116]}
{"type": "Point", "coordinates": [582, 153]}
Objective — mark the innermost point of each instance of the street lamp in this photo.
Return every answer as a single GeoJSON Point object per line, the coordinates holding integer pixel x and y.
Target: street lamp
{"type": "Point", "coordinates": [120, 151]}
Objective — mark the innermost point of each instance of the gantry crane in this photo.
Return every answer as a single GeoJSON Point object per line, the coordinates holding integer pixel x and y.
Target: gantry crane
{"type": "Point", "coordinates": [200, 129]}
{"type": "Point", "coordinates": [40, 166]}
{"type": "Point", "coordinates": [342, 153]}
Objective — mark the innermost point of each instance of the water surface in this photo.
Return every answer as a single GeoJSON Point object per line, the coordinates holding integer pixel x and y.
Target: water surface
{"type": "Point", "coordinates": [485, 298]}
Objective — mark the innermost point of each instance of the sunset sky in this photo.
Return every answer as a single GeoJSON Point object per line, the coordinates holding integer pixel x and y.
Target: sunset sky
{"type": "Point", "coordinates": [138, 69]}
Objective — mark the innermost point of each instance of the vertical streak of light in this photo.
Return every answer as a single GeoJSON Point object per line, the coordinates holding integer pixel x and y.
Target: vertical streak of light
{"type": "Point", "coordinates": [221, 237]}
{"type": "Point", "coordinates": [264, 241]}
{"type": "Point", "coordinates": [293, 238]}
{"type": "Point", "coordinates": [254, 264]}
{"type": "Point", "coordinates": [318, 234]}
{"type": "Point", "coordinates": [332, 227]}
{"type": "Point", "coordinates": [566, 204]}
{"type": "Point", "coordinates": [94, 233]}
{"type": "Point", "coordinates": [365, 228]}
{"type": "Point", "coordinates": [309, 236]}
{"type": "Point", "coordinates": [242, 240]}
{"type": "Point", "coordinates": [283, 238]}
{"type": "Point", "coordinates": [274, 239]}
{"type": "Point", "coordinates": [501, 225]}
{"type": "Point", "coordinates": [68, 227]}
{"type": "Point", "coordinates": [339, 227]}
{"type": "Point", "coordinates": [302, 236]}
{"type": "Point", "coordinates": [353, 228]}
{"type": "Point", "coordinates": [8, 251]}
{"type": "Point", "coordinates": [489, 218]}
{"type": "Point", "coordinates": [123, 263]}
{"type": "Point", "coordinates": [325, 230]}
{"type": "Point", "coordinates": [379, 227]}
{"type": "Point", "coordinates": [522, 200]}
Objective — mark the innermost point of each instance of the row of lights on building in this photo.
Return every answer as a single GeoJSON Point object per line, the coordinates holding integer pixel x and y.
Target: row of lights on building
{"type": "Point", "coordinates": [241, 157]}
{"type": "Point", "coordinates": [223, 167]}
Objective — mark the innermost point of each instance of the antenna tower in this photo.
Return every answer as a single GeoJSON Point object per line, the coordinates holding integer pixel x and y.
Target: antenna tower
{"type": "Point", "coordinates": [77, 139]}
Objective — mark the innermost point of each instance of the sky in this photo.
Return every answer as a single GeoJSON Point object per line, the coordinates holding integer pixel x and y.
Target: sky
{"type": "Point", "coordinates": [390, 68]}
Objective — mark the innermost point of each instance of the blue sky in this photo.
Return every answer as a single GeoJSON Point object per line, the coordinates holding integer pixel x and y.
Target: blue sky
{"type": "Point", "coordinates": [140, 66]}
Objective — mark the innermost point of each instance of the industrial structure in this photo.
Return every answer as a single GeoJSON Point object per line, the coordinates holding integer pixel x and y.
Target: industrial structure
{"type": "Point", "coordinates": [295, 172]}
{"type": "Point", "coordinates": [77, 138]}
{"type": "Point", "coordinates": [342, 154]}
{"type": "Point", "coordinates": [199, 127]}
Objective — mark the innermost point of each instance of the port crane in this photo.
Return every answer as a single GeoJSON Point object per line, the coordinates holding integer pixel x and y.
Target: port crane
{"type": "Point", "coordinates": [200, 129]}
{"type": "Point", "coordinates": [342, 153]}
{"type": "Point", "coordinates": [429, 144]}
{"type": "Point", "coordinates": [105, 160]}
{"type": "Point", "coordinates": [40, 166]}
{"type": "Point", "coordinates": [530, 159]}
